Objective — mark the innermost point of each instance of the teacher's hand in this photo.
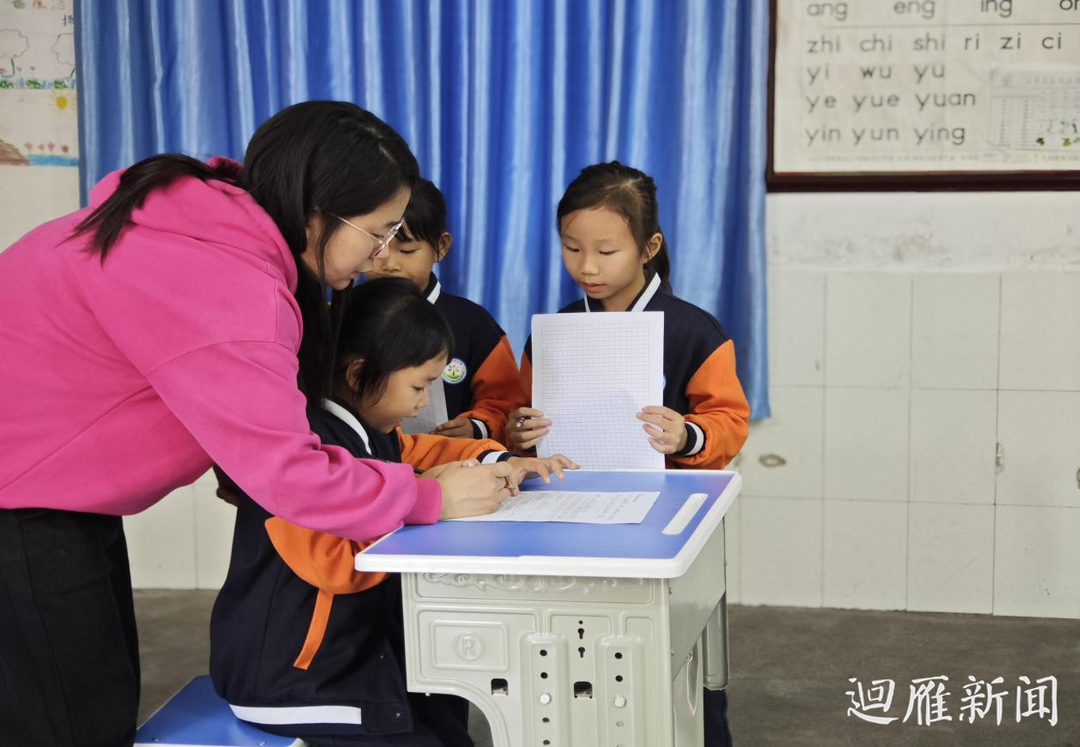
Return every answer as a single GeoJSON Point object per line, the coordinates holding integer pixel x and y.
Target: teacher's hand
{"type": "Point", "coordinates": [469, 489]}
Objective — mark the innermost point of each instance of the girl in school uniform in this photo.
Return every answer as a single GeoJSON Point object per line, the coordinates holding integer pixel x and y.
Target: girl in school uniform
{"type": "Point", "coordinates": [481, 382]}
{"type": "Point", "coordinates": [613, 248]}
{"type": "Point", "coordinates": [302, 644]}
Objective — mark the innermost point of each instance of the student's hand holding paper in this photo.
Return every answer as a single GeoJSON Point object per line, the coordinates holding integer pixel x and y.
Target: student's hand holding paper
{"type": "Point", "coordinates": [526, 426]}
{"type": "Point", "coordinates": [532, 466]}
{"type": "Point", "coordinates": [666, 429]}
{"type": "Point", "coordinates": [470, 489]}
{"type": "Point", "coordinates": [456, 428]}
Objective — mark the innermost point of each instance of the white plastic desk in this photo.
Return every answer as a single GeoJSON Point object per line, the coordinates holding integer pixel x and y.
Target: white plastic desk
{"type": "Point", "coordinates": [573, 634]}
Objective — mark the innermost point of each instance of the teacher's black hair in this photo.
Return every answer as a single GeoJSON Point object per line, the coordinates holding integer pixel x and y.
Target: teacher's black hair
{"type": "Point", "coordinates": [327, 156]}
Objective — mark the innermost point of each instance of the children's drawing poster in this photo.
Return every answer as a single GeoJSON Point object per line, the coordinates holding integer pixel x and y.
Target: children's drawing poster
{"type": "Point", "coordinates": [925, 86]}
{"type": "Point", "coordinates": [38, 119]}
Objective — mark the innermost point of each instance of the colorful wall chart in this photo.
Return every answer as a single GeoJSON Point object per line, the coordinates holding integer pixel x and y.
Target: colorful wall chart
{"type": "Point", "coordinates": [38, 103]}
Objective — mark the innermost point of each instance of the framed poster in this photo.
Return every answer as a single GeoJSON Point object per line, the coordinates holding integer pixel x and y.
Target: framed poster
{"type": "Point", "coordinates": [924, 94]}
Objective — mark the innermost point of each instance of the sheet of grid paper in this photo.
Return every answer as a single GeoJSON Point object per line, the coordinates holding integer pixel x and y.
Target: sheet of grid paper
{"type": "Point", "coordinates": [575, 507]}
{"type": "Point", "coordinates": [592, 374]}
{"type": "Point", "coordinates": [431, 415]}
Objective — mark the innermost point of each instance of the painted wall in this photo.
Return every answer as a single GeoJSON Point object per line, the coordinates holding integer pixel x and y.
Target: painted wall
{"type": "Point", "coordinates": [39, 131]}
{"type": "Point", "coordinates": [924, 452]}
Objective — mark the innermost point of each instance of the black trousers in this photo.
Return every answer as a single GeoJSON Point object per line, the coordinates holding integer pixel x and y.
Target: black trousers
{"type": "Point", "coordinates": [69, 650]}
{"type": "Point", "coordinates": [717, 733]}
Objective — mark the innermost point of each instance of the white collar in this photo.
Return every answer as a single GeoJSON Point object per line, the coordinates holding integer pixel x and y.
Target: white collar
{"type": "Point", "coordinates": [643, 299]}
{"type": "Point", "coordinates": [433, 296]}
{"type": "Point", "coordinates": [349, 419]}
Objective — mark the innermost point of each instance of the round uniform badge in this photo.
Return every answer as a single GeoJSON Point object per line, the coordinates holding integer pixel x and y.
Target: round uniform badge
{"type": "Point", "coordinates": [455, 371]}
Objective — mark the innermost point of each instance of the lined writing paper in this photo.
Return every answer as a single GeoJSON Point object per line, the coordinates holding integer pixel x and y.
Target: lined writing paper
{"type": "Point", "coordinates": [592, 374]}
{"type": "Point", "coordinates": [576, 507]}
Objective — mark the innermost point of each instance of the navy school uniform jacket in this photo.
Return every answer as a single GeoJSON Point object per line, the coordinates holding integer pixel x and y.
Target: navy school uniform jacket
{"type": "Point", "coordinates": [301, 643]}
{"type": "Point", "coordinates": [482, 381]}
{"type": "Point", "coordinates": [699, 375]}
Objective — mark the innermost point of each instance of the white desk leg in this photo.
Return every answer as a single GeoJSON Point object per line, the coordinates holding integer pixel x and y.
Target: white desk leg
{"type": "Point", "coordinates": [687, 701]}
{"type": "Point", "coordinates": [548, 660]}
{"type": "Point", "coordinates": [567, 661]}
{"type": "Point", "coordinates": [714, 650]}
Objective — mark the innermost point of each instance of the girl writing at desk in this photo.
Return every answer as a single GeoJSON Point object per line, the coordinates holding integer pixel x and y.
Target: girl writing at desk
{"type": "Point", "coordinates": [302, 644]}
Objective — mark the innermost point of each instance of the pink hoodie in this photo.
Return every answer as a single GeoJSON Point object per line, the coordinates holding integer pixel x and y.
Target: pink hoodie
{"type": "Point", "coordinates": [122, 380]}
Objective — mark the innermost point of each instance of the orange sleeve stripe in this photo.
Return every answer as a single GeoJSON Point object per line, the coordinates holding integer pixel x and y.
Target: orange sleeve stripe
{"type": "Point", "coordinates": [316, 630]}
{"type": "Point", "coordinates": [718, 406]}
{"type": "Point", "coordinates": [526, 378]}
{"type": "Point", "coordinates": [496, 390]}
{"type": "Point", "coordinates": [325, 562]}
{"type": "Point", "coordinates": [426, 450]}
{"type": "Point", "coordinates": [322, 560]}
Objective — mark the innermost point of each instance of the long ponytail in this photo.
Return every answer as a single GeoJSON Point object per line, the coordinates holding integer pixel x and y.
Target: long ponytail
{"type": "Point", "coordinates": [110, 218]}
{"type": "Point", "coordinates": [318, 156]}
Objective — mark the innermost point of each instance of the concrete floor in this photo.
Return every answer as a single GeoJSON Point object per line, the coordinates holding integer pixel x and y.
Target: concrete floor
{"type": "Point", "coordinates": [790, 670]}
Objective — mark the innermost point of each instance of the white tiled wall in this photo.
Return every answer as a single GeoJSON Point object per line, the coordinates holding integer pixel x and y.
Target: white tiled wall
{"type": "Point", "coordinates": [950, 564]}
{"type": "Point", "coordinates": [867, 330]}
{"type": "Point", "coordinates": [183, 541]}
{"type": "Point", "coordinates": [954, 331]}
{"type": "Point", "coordinates": [1040, 331]}
{"type": "Point", "coordinates": [1036, 561]}
{"type": "Point", "coordinates": [924, 361]}
{"type": "Point", "coordinates": [796, 329]}
{"type": "Point", "coordinates": [866, 440]}
{"type": "Point", "coordinates": [865, 554]}
{"type": "Point", "coordinates": [1039, 434]}
{"type": "Point", "coordinates": [214, 519]}
{"type": "Point", "coordinates": [953, 435]}
{"type": "Point", "coordinates": [781, 551]}
{"type": "Point", "coordinates": [924, 449]}
{"type": "Point", "coordinates": [161, 542]}
{"type": "Point", "coordinates": [793, 435]}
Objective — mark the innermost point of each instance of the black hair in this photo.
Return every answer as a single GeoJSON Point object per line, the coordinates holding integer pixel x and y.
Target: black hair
{"type": "Point", "coordinates": [630, 193]}
{"type": "Point", "coordinates": [328, 156]}
{"type": "Point", "coordinates": [425, 217]}
{"type": "Point", "coordinates": [391, 326]}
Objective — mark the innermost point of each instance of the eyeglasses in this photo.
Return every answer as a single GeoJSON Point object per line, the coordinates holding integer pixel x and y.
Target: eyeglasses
{"type": "Point", "coordinates": [383, 241]}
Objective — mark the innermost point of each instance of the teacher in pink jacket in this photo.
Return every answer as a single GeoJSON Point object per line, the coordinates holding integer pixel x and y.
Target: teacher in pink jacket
{"type": "Point", "coordinates": [179, 321]}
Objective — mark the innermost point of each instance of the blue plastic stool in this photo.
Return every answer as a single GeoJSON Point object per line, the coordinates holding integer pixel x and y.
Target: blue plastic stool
{"type": "Point", "coordinates": [197, 717]}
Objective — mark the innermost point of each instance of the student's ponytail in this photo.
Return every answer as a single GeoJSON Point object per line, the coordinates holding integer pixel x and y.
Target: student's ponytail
{"type": "Point", "coordinates": [109, 218]}
{"type": "Point", "coordinates": [660, 265]}
{"type": "Point", "coordinates": [630, 193]}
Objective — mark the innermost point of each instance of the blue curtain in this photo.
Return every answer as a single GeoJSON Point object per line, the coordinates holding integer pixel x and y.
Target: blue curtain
{"type": "Point", "coordinates": [503, 102]}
